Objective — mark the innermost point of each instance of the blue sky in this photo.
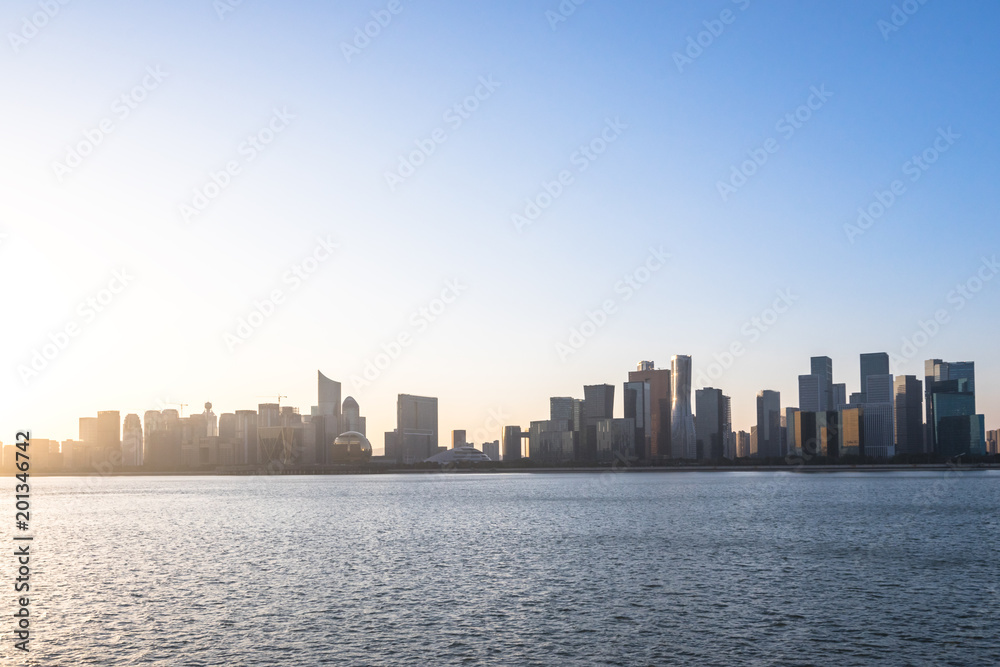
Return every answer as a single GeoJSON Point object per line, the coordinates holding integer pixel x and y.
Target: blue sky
{"type": "Point", "coordinates": [681, 130]}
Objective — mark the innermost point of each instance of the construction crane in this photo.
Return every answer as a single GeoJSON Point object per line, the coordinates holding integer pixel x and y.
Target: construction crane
{"type": "Point", "coordinates": [182, 406]}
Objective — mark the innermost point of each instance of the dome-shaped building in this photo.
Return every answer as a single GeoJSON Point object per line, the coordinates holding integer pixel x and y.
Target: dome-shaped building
{"type": "Point", "coordinates": [350, 447]}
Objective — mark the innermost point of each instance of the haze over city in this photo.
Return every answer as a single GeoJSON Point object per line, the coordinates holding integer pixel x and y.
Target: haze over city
{"type": "Point", "coordinates": [483, 181]}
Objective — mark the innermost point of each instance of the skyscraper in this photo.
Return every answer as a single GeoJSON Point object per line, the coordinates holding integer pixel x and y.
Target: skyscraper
{"type": "Point", "coordinates": [710, 424]}
{"type": "Point", "coordinates": [822, 368]}
{"type": "Point", "coordinates": [953, 427]}
{"type": "Point", "coordinates": [598, 404]}
{"type": "Point", "coordinates": [638, 408]}
{"type": "Point", "coordinates": [810, 393]}
{"type": "Point", "coordinates": [683, 440]}
{"type": "Point", "coordinates": [873, 363]}
{"type": "Point", "coordinates": [659, 403]}
{"type": "Point", "coordinates": [909, 415]}
{"type": "Point", "coordinates": [416, 427]}
{"type": "Point", "coordinates": [768, 424]}
{"type": "Point", "coordinates": [132, 441]}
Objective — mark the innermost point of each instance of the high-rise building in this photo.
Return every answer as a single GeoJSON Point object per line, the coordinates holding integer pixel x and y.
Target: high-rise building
{"type": "Point", "coordinates": [839, 396]}
{"type": "Point", "coordinates": [817, 434]}
{"type": "Point", "coordinates": [328, 395]}
{"type": "Point", "coordinates": [492, 450]}
{"type": "Point", "coordinates": [909, 405]}
{"type": "Point", "coordinates": [810, 393]}
{"type": "Point", "coordinates": [710, 423]}
{"type": "Point", "coordinates": [660, 406]}
{"type": "Point", "coordinates": [873, 363]}
{"type": "Point", "coordinates": [822, 368]}
{"type": "Point", "coordinates": [245, 445]}
{"type": "Point", "coordinates": [511, 443]}
{"type": "Point", "coordinates": [416, 427]}
{"type": "Point", "coordinates": [792, 444]}
{"type": "Point", "coordinates": [598, 404]}
{"type": "Point", "coordinates": [458, 438]}
{"type": "Point", "coordinates": [351, 419]}
{"type": "Point", "coordinates": [879, 423]}
{"type": "Point", "coordinates": [852, 431]}
{"type": "Point", "coordinates": [993, 441]}
{"type": "Point", "coordinates": [615, 440]}
{"type": "Point", "coordinates": [953, 427]}
{"type": "Point", "coordinates": [683, 439]}
{"type": "Point", "coordinates": [768, 424]}
{"type": "Point", "coordinates": [108, 446]}
{"type": "Point", "coordinates": [743, 445]}
{"type": "Point", "coordinates": [551, 441]}
{"type": "Point", "coordinates": [162, 439]}
{"type": "Point", "coordinates": [211, 422]}
{"type": "Point", "coordinates": [638, 408]}
{"type": "Point", "coordinates": [132, 441]}
{"type": "Point", "coordinates": [753, 442]}
{"type": "Point", "coordinates": [728, 437]}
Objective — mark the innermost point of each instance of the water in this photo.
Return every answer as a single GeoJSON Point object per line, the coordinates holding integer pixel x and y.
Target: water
{"type": "Point", "coordinates": [519, 569]}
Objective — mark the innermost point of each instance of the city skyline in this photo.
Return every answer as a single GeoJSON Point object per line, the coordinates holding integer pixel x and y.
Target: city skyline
{"type": "Point", "coordinates": [624, 185]}
{"type": "Point", "coordinates": [771, 408]}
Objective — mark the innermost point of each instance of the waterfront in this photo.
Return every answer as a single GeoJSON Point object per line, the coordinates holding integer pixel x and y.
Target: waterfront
{"type": "Point", "coordinates": [590, 568]}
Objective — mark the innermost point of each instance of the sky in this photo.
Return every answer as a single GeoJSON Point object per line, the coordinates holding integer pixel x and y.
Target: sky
{"type": "Point", "coordinates": [491, 202]}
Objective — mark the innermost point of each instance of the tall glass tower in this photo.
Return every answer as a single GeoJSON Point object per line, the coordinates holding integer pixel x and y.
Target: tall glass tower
{"type": "Point", "coordinates": [683, 442]}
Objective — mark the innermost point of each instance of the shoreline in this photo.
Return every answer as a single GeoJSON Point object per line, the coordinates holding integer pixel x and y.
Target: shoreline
{"type": "Point", "coordinates": [444, 470]}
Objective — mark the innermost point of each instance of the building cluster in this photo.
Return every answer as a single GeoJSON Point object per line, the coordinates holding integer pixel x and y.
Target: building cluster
{"type": "Point", "coordinates": [890, 415]}
{"type": "Point", "coordinates": [333, 432]}
{"type": "Point", "coordinates": [887, 417]}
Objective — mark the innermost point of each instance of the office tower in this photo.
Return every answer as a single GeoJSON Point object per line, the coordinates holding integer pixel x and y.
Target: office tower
{"type": "Point", "coordinates": [852, 431]}
{"type": "Point", "coordinates": [416, 427]}
{"type": "Point", "coordinates": [878, 421]}
{"type": "Point", "coordinates": [245, 438]}
{"type": "Point", "coordinates": [879, 389]}
{"type": "Point", "coordinates": [822, 368]}
{"type": "Point", "coordinates": [268, 415]}
{"type": "Point", "coordinates": [710, 424]}
{"type": "Point", "coordinates": [638, 408]}
{"type": "Point", "coordinates": [561, 407]}
{"type": "Point", "coordinates": [683, 440]}
{"type": "Point", "coordinates": [768, 424]}
{"type": "Point", "coordinates": [615, 440]}
{"type": "Point", "coordinates": [728, 437]}
{"type": "Point", "coordinates": [957, 429]}
{"type": "Point", "coordinates": [492, 450]}
{"type": "Point", "coordinates": [742, 445]}
{"type": "Point", "coordinates": [132, 441]}
{"type": "Point", "coordinates": [458, 438]}
{"type": "Point", "coordinates": [951, 388]}
{"type": "Point", "coordinates": [753, 442]}
{"type": "Point", "coordinates": [511, 443]}
{"type": "Point", "coordinates": [817, 434]}
{"type": "Point", "coordinates": [810, 393]}
{"type": "Point", "coordinates": [909, 404]}
{"type": "Point", "coordinates": [551, 441]}
{"type": "Point", "coordinates": [88, 430]}
{"type": "Point", "coordinates": [857, 398]}
{"type": "Point", "coordinates": [792, 443]}
{"type": "Point", "coordinates": [839, 396]}
{"type": "Point", "coordinates": [162, 439]}
{"type": "Point", "coordinates": [993, 441]}
{"type": "Point", "coordinates": [328, 394]}
{"type": "Point", "coordinates": [227, 426]}
{"type": "Point", "coordinates": [391, 448]}
{"type": "Point", "coordinates": [873, 363]}
{"type": "Point", "coordinates": [660, 406]}
{"type": "Point", "coordinates": [598, 404]}
{"type": "Point", "coordinates": [108, 445]}
{"type": "Point", "coordinates": [351, 419]}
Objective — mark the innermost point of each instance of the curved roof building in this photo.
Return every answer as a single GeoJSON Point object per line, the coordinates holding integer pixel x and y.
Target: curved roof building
{"type": "Point", "coordinates": [350, 447]}
{"type": "Point", "coordinates": [459, 455]}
